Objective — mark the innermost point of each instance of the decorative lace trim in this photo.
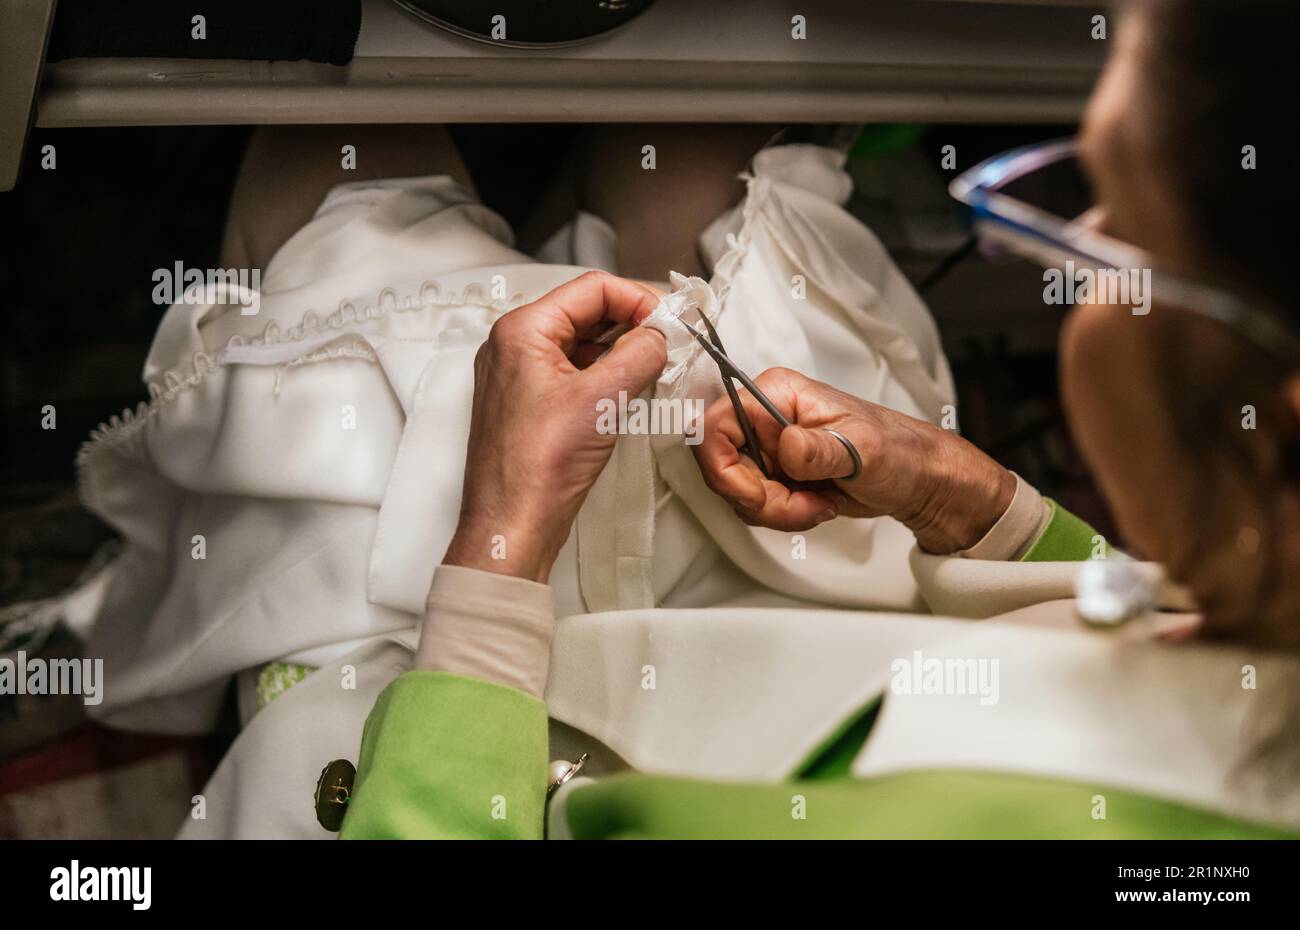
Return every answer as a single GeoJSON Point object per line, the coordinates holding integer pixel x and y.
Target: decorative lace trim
{"type": "Point", "coordinates": [757, 189]}
{"type": "Point", "coordinates": [163, 390]}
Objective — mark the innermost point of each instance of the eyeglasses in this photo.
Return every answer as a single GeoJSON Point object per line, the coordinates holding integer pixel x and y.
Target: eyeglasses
{"type": "Point", "coordinates": [1031, 228]}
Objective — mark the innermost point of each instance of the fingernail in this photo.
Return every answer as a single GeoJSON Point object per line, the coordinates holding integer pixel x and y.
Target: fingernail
{"type": "Point", "coordinates": [825, 515]}
{"type": "Point", "coordinates": [841, 502]}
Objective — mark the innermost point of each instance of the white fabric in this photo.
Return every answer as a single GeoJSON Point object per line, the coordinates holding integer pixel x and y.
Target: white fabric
{"type": "Point", "coordinates": [799, 283]}
{"type": "Point", "coordinates": [1015, 532]}
{"type": "Point", "coordinates": [314, 451]}
{"type": "Point", "coordinates": [492, 627]}
{"type": "Point", "coordinates": [1171, 721]}
{"type": "Point", "coordinates": [744, 694]}
{"type": "Point", "coordinates": [265, 786]}
{"type": "Point", "coordinates": [747, 694]}
{"type": "Point", "coordinates": [963, 587]}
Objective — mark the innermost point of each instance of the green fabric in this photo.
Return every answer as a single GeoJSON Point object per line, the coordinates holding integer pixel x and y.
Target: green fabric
{"type": "Point", "coordinates": [441, 753]}
{"type": "Point", "coordinates": [913, 805]}
{"type": "Point", "coordinates": [277, 678]}
{"type": "Point", "coordinates": [445, 757]}
{"type": "Point", "coordinates": [834, 758]}
{"type": "Point", "coordinates": [1066, 539]}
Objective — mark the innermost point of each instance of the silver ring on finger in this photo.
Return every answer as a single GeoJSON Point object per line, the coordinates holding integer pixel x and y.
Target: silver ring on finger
{"type": "Point", "coordinates": [853, 454]}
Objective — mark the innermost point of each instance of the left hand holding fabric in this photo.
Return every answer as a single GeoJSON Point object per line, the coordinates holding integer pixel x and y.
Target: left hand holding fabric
{"type": "Point", "coordinates": [534, 451]}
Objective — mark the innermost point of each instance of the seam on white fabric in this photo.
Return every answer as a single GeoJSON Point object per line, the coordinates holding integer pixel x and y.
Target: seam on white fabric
{"type": "Point", "coordinates": [356, 350]}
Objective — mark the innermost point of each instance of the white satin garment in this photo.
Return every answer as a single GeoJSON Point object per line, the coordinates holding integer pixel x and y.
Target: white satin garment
{"type": "Point", "coordinates": [296, 475]}
{"type": "Point", "coordinates": [312, 453]}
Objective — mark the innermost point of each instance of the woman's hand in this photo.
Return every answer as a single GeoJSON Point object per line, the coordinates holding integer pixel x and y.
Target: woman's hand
{"type": "Point", "coordinates": [937, 484]}
{"type": "Point", "coordinates": [534, 451]}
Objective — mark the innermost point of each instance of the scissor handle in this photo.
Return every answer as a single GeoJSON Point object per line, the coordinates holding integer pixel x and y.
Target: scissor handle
{"type": "Point", "coordinates": [751, 446]}
{"type": "Point", "coordinates": [758, 394]}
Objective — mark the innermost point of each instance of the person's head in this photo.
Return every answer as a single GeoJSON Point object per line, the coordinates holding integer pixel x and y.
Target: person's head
{"type": "Point", "coordinates": [1194, 433]}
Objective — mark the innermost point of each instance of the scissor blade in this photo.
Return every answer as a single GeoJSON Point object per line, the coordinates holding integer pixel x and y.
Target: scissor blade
{"type": "Point", "coordinates": [751, 447]}
{"type": "Point", "coordinates": [729, 369]}
{"type": "Point", "coordinates": [703, 341]}
{"type": "Point", "coordinates": [713, 334]}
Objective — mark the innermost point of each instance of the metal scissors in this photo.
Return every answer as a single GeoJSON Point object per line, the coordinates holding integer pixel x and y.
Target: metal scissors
{"type": "Point", "coordinates": [713, 346]}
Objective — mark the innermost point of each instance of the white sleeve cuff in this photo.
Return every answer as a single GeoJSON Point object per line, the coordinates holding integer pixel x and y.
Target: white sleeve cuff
{"type": "Point", "coordinates": [1016, 530]}
{"type": "Point", "coordinates": [484, 625]}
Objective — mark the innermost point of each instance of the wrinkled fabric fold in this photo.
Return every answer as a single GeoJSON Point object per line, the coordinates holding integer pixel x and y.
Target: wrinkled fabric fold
{"type": "Point", "coordinates": [295, 478]}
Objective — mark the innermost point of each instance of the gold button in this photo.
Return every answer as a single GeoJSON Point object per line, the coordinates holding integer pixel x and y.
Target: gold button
{"type": "Point", "coordinates": [333, 791]}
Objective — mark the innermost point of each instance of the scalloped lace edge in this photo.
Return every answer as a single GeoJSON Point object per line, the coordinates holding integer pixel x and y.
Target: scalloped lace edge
{"type": "Point", "coordinates": [173, 381]}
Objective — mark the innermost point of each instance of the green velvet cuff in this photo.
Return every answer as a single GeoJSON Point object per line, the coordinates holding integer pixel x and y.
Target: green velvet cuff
{"type": "Point", "coordinates": [446, 757]}
{"type": "Point", "coordinates": [1066, 539]}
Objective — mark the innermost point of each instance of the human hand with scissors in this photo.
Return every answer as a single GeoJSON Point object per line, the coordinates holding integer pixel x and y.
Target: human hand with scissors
{"type": "Point", "coordinates": [944, 489]}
